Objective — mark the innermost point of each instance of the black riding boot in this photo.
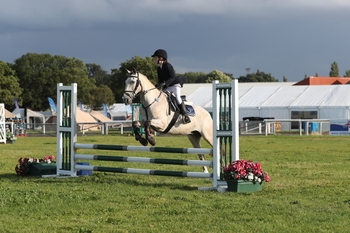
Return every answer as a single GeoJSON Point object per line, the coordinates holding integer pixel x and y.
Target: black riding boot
{"type": "Point", "coordinates": [186, 118]}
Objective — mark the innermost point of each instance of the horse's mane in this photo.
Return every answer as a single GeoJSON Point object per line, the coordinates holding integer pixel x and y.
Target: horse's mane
{"type": "Point", "coordinates": [143, 78]}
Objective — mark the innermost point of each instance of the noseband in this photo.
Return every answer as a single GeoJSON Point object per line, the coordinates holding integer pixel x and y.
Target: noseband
{"type": "Point", "coordinates": [138, 83]}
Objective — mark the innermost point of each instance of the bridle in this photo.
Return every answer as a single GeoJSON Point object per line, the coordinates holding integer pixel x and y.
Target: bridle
{"type": "Point", "coordinates": [142, 92]}
{"type": "Point", "coordinates": [138, 83]}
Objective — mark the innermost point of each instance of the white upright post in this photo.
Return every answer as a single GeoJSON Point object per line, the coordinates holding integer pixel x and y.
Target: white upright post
{"type": "Point", "coordinates": [225, 96]}
{"type": "Point", "coordinates": [235, 119]}
{"type": "Point", "coordinates": [216, 142]}
{"type": "Point", "coordinates": [2, 124]}
{"type": "Point", "coordinates": [66, 129]}
{"type": "Point", "coordinates": [225, 129]}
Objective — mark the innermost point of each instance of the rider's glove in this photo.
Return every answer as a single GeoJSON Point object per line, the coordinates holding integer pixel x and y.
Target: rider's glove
{"type": "Point", "coordinates": [160, 85]}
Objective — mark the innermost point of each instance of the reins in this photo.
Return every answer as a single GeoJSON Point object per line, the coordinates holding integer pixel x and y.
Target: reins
{"type": "Point", "coordinates": [142, 93]}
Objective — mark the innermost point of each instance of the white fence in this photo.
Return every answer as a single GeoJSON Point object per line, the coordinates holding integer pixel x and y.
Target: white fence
{"type": "Point", "coordinates": [83, 128]}
{"type": "Point", "coordinates": [273, 126]}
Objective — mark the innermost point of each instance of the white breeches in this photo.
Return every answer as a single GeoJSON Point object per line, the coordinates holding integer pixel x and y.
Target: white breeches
{"type": "Point", "coordinates": [177, 92]}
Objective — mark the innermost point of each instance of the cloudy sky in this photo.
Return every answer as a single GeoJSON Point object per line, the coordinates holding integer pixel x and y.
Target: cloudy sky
{"type": "Point", "coordinates": [291, 38]}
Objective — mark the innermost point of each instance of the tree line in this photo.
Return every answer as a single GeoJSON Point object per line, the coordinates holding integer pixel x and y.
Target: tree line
{"type": "Point", "coordinates": [33, 78]}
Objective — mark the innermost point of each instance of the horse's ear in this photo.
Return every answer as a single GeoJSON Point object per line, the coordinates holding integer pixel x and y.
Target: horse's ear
{"type": "Point", "coordinates": [134, 70]}
{"type": "Point", "coordinates": [128, 71]}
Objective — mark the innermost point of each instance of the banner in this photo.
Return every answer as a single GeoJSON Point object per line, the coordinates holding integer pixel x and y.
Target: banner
{"type": "Point", "coordinates": [339, 127]}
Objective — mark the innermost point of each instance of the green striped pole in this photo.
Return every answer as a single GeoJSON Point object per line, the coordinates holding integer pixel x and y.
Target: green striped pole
{"type": "Point", "coordinates": [144, 148]}
{"type": "Point", "coordinates": [144, 171]}
{"type": "Point", "coordinates": [144, 160]}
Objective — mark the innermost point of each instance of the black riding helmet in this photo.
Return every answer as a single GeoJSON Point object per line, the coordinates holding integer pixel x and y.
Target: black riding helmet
{"type": "Point", "coordinates": [161, 53]}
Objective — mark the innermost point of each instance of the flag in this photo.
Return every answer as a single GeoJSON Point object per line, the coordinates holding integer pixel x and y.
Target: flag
{"type": "Point", "coordinates": [16, 103]}
{"type": "Point", "coordinates": [104, 109]}
{"type": "Point", "coordinates": [52, 105]}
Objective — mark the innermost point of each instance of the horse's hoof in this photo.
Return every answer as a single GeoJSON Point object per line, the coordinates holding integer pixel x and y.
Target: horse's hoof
{"type": "Point", "coordinates": [143, 141]}
{"type": "Point", "coordinates": [136, 124]}
{"type": "Point", "coordinates": [152, 141]}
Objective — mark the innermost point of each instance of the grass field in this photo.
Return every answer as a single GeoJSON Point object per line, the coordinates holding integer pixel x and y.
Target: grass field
{"type": "Point", "coordinates": [308, 192]}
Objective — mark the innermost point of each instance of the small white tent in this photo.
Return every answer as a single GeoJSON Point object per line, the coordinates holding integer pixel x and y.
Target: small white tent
{"type": "Point", "coordinates": [33, 119]}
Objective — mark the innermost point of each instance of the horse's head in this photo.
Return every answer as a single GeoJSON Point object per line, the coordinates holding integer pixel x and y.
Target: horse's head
{"type": "Point", "coordinates": [132, 86]}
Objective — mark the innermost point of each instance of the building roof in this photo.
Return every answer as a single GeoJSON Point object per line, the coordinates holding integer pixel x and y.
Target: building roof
{"type": "Point", "coordinates": [323, 80]}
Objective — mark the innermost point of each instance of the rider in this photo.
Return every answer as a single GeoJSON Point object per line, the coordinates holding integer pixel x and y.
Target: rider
{"type": "Point", "coordinates": [168, 80]}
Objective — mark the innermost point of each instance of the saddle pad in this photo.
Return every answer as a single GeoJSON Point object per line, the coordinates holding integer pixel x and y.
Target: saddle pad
{"type": "Point", "coordinates": [190, 110]}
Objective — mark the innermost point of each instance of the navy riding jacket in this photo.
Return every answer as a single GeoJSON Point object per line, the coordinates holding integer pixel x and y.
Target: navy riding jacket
{"type": "Point", "coordinates": [166, 75]}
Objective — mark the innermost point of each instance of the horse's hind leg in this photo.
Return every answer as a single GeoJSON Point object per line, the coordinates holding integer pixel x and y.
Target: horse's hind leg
{"type": "Point", "coordinates": [136, 127]}
{"type": "Point", "coordinates": [195, 140]}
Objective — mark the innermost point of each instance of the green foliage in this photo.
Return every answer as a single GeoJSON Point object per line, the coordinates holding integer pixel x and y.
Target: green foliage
{"type": "Point", "coordinates": [9, 86]}
{"type": "Point", "coordinates": [308, 191]}
{"type": "Point", "coordinates": [347, 73]}
{"type": "Point", "coordinates": [39, 74]}
{"type": "Point", "coordinates": [334, 70]}
{"type": "Point", "coordinates": [285, 79]}
{"type": "Point", "coordinates": [218, 75]}
{"type": "Point", "coordinates": [259, 76]}
{"type": "Point", "coordinates": [145, 66]}
{"type": "Point", "coordinates": [100, 95]}
{"type": "Point", "coordinates": [194, 77]}
{"type": "Point", "coordinates": [100, 76]}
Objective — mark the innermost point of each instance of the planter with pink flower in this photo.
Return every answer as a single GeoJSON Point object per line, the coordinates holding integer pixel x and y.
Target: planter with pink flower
{"type": "Point", "coordinates": [245, 176]}
{"type": "Point", "coordinates": [36, 167]}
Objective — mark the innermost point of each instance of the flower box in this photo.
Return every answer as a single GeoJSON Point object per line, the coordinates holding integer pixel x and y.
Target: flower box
{"type": "Point", "coordinates": [245, 176]}
{"type": "Point", "coordinates": [39, 169]}
{"type": "Point", "coordinates": [241, 186]}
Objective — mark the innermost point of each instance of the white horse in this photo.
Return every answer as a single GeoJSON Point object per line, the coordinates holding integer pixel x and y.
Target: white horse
{"type": "Point", "coordinates": [158, 114]}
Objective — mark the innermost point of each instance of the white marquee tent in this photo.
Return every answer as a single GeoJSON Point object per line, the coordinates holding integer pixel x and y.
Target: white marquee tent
{"type": "Point", "coordinates": [285, 101]}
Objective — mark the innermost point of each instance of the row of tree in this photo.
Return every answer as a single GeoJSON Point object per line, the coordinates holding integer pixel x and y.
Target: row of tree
{"type": "Point", "coordinates": [33, 78]}
{"type": "Point", "coordinates": [335, 71]}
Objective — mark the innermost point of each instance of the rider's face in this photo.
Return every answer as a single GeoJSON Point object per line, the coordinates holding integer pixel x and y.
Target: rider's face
{"type": "Point", "coordinates": [156, 59]}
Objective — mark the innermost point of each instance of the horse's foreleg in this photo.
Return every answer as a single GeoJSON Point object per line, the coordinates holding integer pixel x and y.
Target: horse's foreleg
{"type": "Point", "coordinates": [201, 157]}
{"type": "Point", "coordinates": [195, 138]}
{"type": "Point", "coordinates": [136, 127]}
{"type": "Point", "coordinates": [150, 133]}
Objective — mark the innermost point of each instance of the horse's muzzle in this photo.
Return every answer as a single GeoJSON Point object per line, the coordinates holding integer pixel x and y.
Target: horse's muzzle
{"type": "Point", "coordinates": [127, 99]}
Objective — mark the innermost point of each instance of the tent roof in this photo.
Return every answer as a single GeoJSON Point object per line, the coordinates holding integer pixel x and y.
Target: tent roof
{"type": "Point", "coordinates": [284, 96]}
{"type": "Point", "coordinates": [84, 117]}
{"type": "Point", "coordinates": [9, 114]}
{"type": "Point", "coordinates": [99, 116]}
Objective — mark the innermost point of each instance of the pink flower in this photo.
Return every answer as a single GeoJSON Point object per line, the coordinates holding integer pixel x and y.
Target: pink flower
{"type": "Point", "coordinates": [245, 170]}
{"type": "Point", "coordinates": [23, 166]}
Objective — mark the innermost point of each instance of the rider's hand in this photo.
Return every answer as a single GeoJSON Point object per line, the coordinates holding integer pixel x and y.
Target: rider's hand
{"type": "Point", "coordinates": [160, 85]}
